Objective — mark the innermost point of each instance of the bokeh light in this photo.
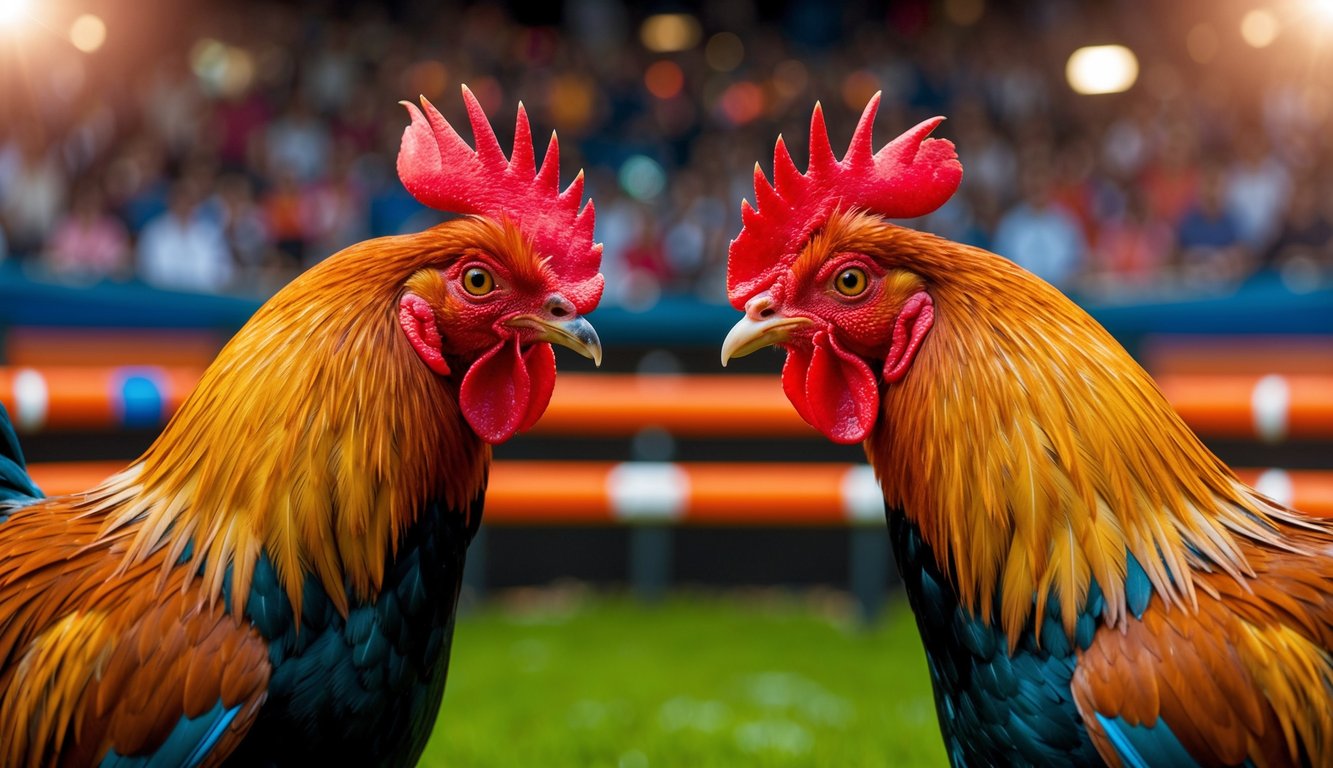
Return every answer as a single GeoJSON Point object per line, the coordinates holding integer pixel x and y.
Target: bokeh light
{"type": "Point", "coordinates": [13, 11]}
{"type": "Point", "coordinates": [1202, 42]}
{"type": "Point", "coordinates": [724, 51]}
{"type": "Point", "coordinates": [964, 13]}
{"type": "Point", "coordinates": [1259, 27]}
{"type": "Point", "coordinates": [790, 78]}
{"type": "Point", "coordinates": [1323, 9]}
{"type": "Point", "coordinates": [429, 78]}
{"type": "Point", "coordinates": [642, 177]}
{"type": "Point", "coordinates": [664, 79]}
{"type": "Point", "coordinates": [220, 68]}
{"type": "Point", "coordinates": [87, 33]}
{"type": "Point", "coordinates": [858, 87]}
{"type": "Point", "coordinates": [742, 102]}
{"type": "Point", "coordinates": [670, 32]}
{"type": "Point", "coordinates": [572, 100]}
{"type": "Point", "coordinates": [1102, 69]}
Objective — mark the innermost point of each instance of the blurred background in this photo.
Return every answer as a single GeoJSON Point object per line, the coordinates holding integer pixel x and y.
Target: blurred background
{"type": "Point", "coordinates": [674, 569]}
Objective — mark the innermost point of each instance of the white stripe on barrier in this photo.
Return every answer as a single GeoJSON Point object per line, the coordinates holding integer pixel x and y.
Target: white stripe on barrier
{"type": "Point", "coordinates": [1270, 402]}
{"type": "Point", "coordinates": [648, 491]}
{"type": "Point", "coordinates": [862, 499]}
{"type": "Point", "coordinates": [1276, 485]}
{"type": "Point", "coordinates": [31, 399]}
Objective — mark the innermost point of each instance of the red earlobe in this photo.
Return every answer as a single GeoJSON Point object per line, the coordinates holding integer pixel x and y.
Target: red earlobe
{"type": "Point", "coordinates": [417, 319]}
{"type": "Point", "coordinates": [909, 330]}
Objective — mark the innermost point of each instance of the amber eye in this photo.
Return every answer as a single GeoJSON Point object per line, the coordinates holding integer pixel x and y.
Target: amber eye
{"type": "Point", "coordinates": [478, 281]}
{"type": "Point", "coordinates": [851, 282]}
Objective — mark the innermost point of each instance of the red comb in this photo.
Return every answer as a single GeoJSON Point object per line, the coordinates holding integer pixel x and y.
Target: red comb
{"type": "Point", "coordinates": [440, 170]}
{"type": "Point", "coordinates": [910, 176]}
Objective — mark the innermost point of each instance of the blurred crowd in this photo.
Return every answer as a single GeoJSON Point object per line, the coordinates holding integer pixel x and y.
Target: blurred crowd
{"type": "Point", "coordinates": [261, 138]}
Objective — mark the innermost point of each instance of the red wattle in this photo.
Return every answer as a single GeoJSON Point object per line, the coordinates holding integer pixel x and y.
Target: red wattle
{"type": "Point", "coordinates": [909, 330]}
{"type": "Point", "coordinates": [496, 392]}
{"type": "Point", "coordinates": [540, 363]}
{"type": "Point", "coordinates": [833, 390]}
{"type": "Point", "coordinates": [794, 372]}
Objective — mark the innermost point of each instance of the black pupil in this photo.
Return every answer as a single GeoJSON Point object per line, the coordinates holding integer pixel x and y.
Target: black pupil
{"type": "Point", "coordinates": [850, 279]}
{"type": "Point", "coordinates": [478, 279]}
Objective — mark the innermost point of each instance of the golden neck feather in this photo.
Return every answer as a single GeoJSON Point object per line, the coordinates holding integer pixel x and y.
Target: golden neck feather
{"type": "Point", "coordinates": [1033, 453]}
{"type": "Point", "coordinates": [316, 437]}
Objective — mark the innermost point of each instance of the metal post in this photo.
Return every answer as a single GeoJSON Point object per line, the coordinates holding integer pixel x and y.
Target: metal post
{"type": "Point", "coordinates": [650, 550]}
{"type": "Point", "coordinates": [868, 568]}
{"type": "Point", "coordinates": [474, 567]}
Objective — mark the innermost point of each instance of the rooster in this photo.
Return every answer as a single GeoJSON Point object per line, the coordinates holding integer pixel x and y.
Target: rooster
{"type": "Point", "coordinates": [1092, 585]}
{"type": "Point", "coordinates": [274, 581]}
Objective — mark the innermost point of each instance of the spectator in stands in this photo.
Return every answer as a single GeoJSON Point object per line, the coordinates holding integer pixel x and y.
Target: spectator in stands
{"type": "Point", "coordinates": [1256, 189]}
{"type": "Point", "coordinates": [1041, 235]}
{"type": "Point", "coordinates": [1211, 250]}
{"type": "Point", "coordinates": [184, 250]}
{"type": "Point", "coordinates": [88, 244]}
{"type": "Point", "coordinates": [1302, 250]}
{"type": "Point", "coordinates": [295, 98]}
{"type": "Point", "coordinates": [32, 192]}
{"type": "Point", "coordinates": [246, 230]}
{"type": "Point", "coordinates": [298, 143]}
{"type": "Point", "coordinates": [1133, 248]}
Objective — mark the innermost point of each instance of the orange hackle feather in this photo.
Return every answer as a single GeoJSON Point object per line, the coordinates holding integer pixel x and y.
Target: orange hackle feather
{"type": "Point", "coordinates": [314, 440]}
{"type": "Point", "coordinates": [281, 449]}
{"type": "Point", "coordinates": [1035, 459]}
{"type": "Point", "coordinates": [1072, 455]}
{"type": "Point", "coordinates": [82, 635]}
{"type": "Point", "coordinates": [324, 476]}
{"type": "Point", "coordinates": [1034, 455]}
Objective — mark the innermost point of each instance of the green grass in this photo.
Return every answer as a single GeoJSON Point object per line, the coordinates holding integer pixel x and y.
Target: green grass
{"type": "Point", "coordinates": [565, 678]}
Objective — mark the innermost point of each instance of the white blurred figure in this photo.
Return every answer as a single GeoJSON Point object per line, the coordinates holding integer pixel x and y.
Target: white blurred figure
{"type": "Point", "coordinates": [32, 194]}
{"type": "Point", "coordinates": [1041, 235]}
{"type": "Point", "coordinates": [184, 250]}
{"type": "Point", "coordinates": [1256, 189]}
{"type": "Point", "coordinates": [299, 143]}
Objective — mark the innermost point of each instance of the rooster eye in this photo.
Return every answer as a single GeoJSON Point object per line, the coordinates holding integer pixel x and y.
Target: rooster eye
{"type": "Point", "coordinates": [478, 281]}
{"type": "Point", "coordinates": [851, 282]}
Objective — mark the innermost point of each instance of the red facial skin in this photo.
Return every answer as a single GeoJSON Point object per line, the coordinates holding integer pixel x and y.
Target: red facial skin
{"type": "Point", "coordinates": [496, 341]}
{"type": "Point", "coordinates": [852, 344]}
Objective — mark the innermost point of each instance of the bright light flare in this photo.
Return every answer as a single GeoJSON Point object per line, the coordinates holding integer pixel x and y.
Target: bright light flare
{"type": "Point", "coordinates": [1102, 69]}
{"type": "Point", "coordinates": [670, 32]}
{"type": "Point", "coordinates": [1259, 28]}
{"type": "Point", "coordinates": [87, 33]}
{"type": "Point", "coordinates": [13, 11]}
{"type": "Point", "coordinates": [1323, 9]}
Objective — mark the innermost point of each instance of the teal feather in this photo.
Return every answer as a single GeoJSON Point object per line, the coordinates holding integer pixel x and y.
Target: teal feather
{"type": "Point", "coordinates": [16, 487]}
{"type": "Point", "coordinates": [187, 746]}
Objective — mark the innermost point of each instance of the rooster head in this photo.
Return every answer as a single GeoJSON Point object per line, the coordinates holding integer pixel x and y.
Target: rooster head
{"type": "Point", "coordinates": [515, 276]}
{"type": "Point", "coordinates": [816, 271]}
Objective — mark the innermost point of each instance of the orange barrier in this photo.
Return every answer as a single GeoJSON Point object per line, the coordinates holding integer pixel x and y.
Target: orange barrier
{"type": "Point", "coordinates": [91, 397]}
{"type": "Point", "coordinates": [581, 493]}
{"type": "Point", "coordinates": [1210, 354]}
{"type": "Point", "coordinates": [111, 347]}
{"type": "Point", "coordinates": [615, 405]}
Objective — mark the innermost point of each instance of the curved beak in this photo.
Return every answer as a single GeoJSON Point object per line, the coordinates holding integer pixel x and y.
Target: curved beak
{"type": "Point", "coordinates": [762, 326]}
{"type": "Point", "coordinates": [572, 332]}
{"type": "Point", "coordinates": [749, 334]}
